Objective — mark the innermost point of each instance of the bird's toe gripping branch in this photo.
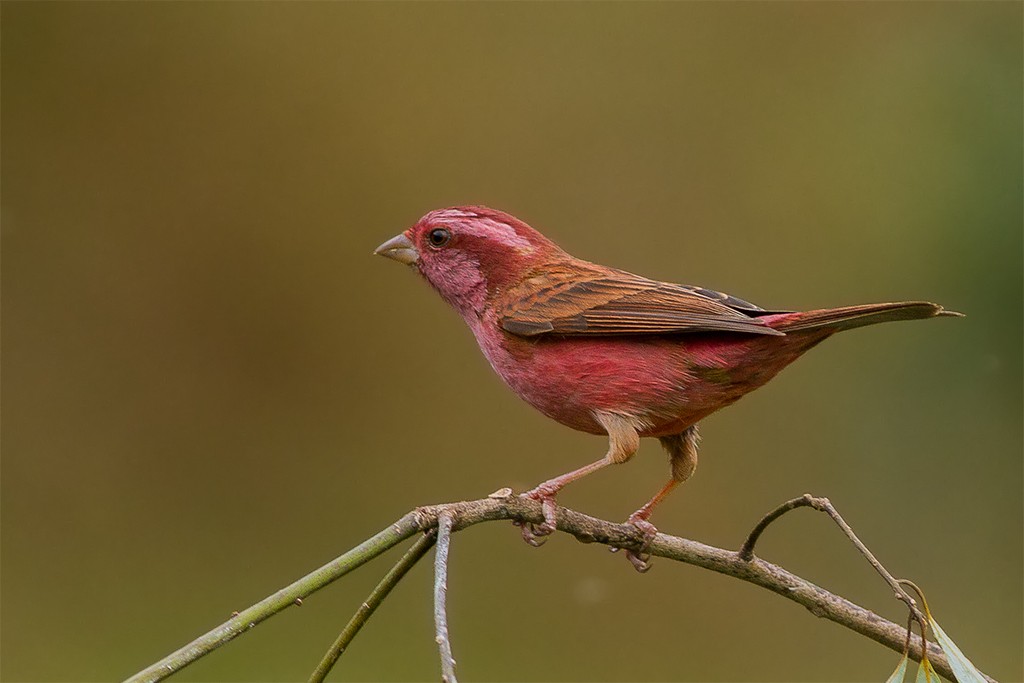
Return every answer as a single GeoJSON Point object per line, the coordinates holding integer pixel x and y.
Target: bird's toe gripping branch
{"type": "Point", "coordinates": [640, 558]}
{"type": "Point", "coordinates": [534, 533]}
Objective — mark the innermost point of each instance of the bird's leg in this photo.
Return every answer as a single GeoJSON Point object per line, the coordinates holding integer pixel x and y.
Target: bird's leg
{"type": "Point", "coordinates": [623, 443]}
{"type": "Point", "coordinates": [682, 453]}
{"type": "Point", "coordinates": [545, 493]}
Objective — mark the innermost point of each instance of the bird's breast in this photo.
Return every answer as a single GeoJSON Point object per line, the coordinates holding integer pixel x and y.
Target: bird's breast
{"type": "Point", "coordinates": [665, 382]}
{"type": "Point", "coordinates": [570, 378]}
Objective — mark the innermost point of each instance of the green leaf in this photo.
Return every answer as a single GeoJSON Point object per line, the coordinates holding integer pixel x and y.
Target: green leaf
{"type": "Point", "coordinates": [899, 673]}
{"type": "Point", "coordinates": [965, 671]}
{"type": "Point", "coordinates": [926, 674]}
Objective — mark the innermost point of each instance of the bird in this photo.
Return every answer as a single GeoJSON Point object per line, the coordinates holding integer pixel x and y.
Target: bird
{"type": "Point", "coordinates": [609, 352]}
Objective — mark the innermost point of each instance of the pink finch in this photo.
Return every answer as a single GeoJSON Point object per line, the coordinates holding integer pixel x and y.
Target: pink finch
{"type": "Point", "coordinates": [605, 351]}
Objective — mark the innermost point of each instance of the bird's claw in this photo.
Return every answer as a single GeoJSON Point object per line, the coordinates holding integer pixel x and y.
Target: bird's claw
{"type": "Point", "coordinates": [640, 559]}
{"type": "Point", "coordinates": [534, 533]}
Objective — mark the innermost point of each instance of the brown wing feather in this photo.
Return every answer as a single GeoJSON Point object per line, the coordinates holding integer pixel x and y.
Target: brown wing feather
{"type": "Point", "coordinates": [574, 301]}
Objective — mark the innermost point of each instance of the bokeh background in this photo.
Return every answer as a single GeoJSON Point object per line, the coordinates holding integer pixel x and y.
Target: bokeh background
{"type": "Point", "coordinates": [211, 387]}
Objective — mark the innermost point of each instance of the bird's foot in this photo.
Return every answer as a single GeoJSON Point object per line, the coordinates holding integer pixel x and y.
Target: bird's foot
{"type": "Point", "coordinates": [639, 558]}
{"type": "Point", "coordinates": [534, 533]}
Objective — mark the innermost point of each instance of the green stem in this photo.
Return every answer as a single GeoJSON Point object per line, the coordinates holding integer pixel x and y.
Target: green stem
{"type": "Point", "coordinates": [281, 600]}
{"type": "Point", "coordinates": [366, 610]}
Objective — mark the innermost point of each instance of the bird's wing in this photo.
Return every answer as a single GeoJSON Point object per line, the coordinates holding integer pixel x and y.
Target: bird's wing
{"type": "Point", "coordinates": [599, 301]}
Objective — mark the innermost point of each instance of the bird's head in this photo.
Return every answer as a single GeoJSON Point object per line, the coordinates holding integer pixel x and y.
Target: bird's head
{"type": "Point", "coordinates": [470, 252]}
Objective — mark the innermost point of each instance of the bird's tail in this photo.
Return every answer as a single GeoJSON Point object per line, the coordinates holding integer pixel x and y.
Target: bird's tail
{"type": "Point", "coordinates": [850, 317]}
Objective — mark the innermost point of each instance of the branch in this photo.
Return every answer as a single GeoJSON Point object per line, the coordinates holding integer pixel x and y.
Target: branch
{"type": "Point", "coordinates": [587, 530]}
{"type": "Point", "coordinates": [825, 505]}
{"type": "Point", "coordinates": [286, 597]}
{"type": "Point", "coordinates": [369, 606]}
{"type": "Point", "coordinates": [444, 643]}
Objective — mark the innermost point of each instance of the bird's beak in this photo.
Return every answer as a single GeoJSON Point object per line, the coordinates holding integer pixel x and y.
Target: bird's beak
{"type": "Point", "coordinates": [399, 248]}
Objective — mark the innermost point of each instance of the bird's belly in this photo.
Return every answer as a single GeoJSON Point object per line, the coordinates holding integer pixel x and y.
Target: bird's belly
{"type": "Point", "coordinates": [667, 383]}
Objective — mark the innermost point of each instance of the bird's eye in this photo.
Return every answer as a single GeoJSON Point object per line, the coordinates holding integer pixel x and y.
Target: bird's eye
{"type": "Point", "coordinates": [438, 237]}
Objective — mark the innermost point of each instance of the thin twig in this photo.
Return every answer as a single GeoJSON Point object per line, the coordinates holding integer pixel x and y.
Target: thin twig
{"type": "Point", "coordinates": [444, 643]}
{"type": "Point", "coordinates": [588, 530]}
{"type": "Point", "coordinates": [366, 610]}
{"type": "Point", "coordinates": [825, 505]}
{"type": "Point", "coordinates": [747, 549]}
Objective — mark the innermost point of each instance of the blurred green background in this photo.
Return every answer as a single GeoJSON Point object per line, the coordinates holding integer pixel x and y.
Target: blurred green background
{"type": "Point", "coordinates": [211, 386]}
